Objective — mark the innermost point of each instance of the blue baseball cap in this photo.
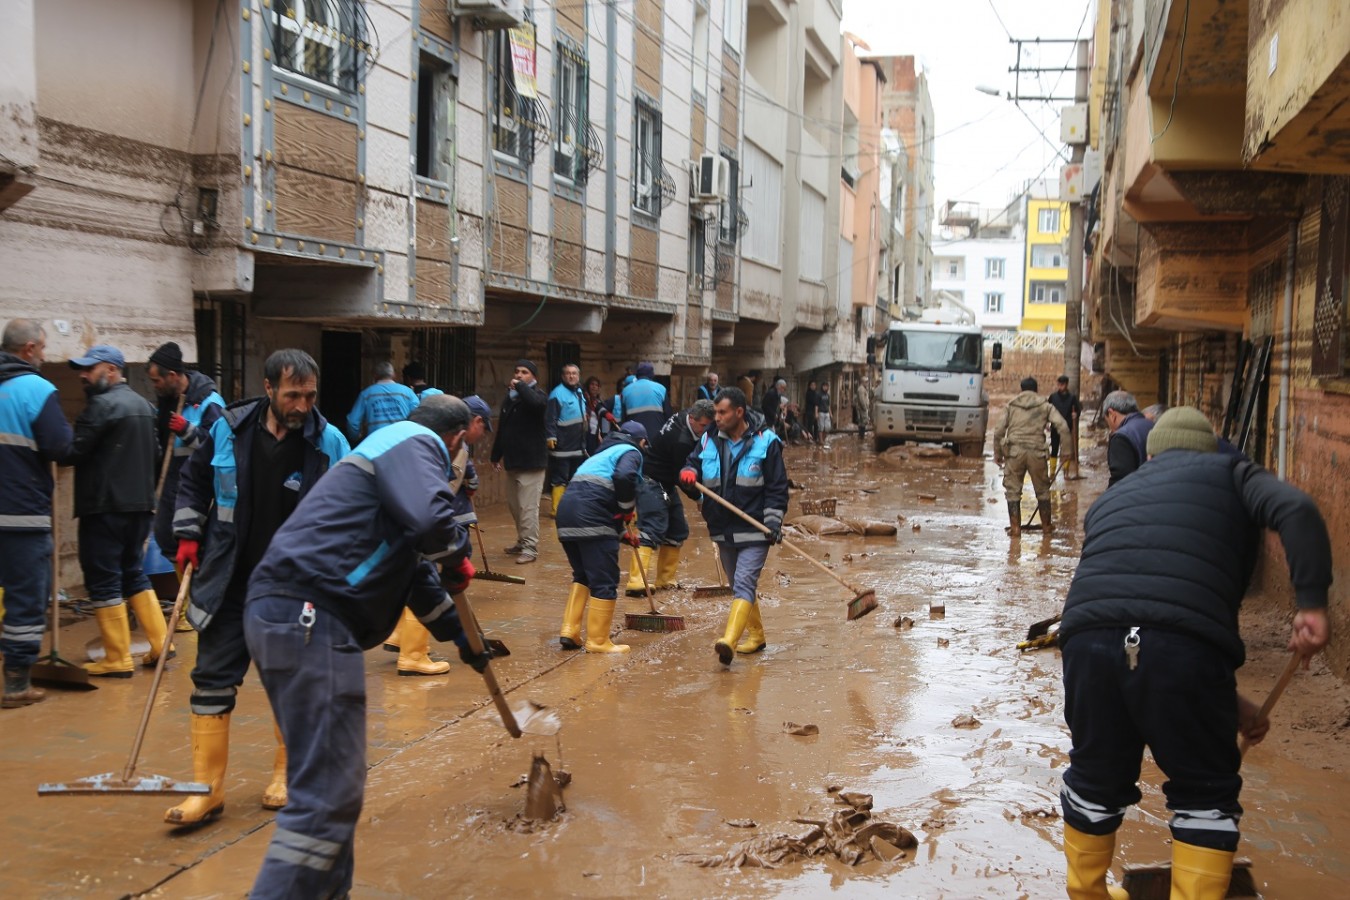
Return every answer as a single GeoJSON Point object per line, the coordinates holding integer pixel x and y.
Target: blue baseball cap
{"type": "Point", "coordinates": [634, 429]}
{"type": "Point", "coordinates": [100, 353]}
{"type": "Point", "coordinates": [478, 406]}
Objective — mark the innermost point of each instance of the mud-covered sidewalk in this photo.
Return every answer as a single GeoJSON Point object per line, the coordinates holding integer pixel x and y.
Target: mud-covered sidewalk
{"type": "Point", "coordinates": [957, 736]}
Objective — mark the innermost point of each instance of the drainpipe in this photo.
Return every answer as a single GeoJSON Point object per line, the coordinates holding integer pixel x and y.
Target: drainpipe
{"type": "Point", "coordinates": [611, 148]}
{"type": "Point", "coordinates": [1287, 350]}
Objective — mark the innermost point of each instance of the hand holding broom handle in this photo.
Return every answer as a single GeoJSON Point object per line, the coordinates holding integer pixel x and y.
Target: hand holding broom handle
{"type": "Point", "coordinates": [469, 623]}
{"type": "Point", "coordinates": [786, 543]}
{"type": "Point", "coordinates": [1285, 677]}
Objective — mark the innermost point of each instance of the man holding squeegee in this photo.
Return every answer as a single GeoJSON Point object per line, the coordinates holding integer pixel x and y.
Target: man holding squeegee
{"type": "Point", "coordinates": [743, 462]}
{"type": "Point", "coordinates": [363, 544]}
{"type": "Point", "coordinates": [1150, 641]}
{"type": "Point", "coordinates": [592, 518]}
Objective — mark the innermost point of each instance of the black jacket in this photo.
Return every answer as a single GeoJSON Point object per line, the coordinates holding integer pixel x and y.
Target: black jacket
{"type": "Point", "coordinates": [519, 442]}
{"type": "Point", "coordinates": [114, 454]}
{"type": "Point", "coordinates": [1173, 546]}
{"type": "Point", "coordinates": [669, 449]}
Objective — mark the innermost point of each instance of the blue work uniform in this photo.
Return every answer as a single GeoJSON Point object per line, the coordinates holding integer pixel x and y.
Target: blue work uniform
{"type": "Point", "coordinates": [202, 405]}
{"type": "Point", "coordinates": [590, 515]}
{"type": "Point", "coordinates": [379, 406]}
{"type": "Point", "coordinates": [565, 425]}
{"type": "Point", "coordinates": [645, 401]}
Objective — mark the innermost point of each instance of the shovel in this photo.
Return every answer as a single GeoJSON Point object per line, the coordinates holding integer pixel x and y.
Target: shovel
{"type": "Point", "coordinates": [527, 717]}
{"type": "Point", "coordinates": [129, 782]}
{"type": "Point", "coordinates": [1149, 881]}
{"type": "Point", "coordinates": [863, 602]}
{"type": "Point", "coordinates": [54, 670]}
{"type": "Point", "coordinates": [487, 574]}
{"type": "Point", "coordinates": [723, 589]}
{"type": "Point", "coordinates": [652, 620]}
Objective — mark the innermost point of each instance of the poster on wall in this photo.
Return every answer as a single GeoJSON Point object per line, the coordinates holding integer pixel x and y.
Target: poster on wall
{"type": "Point", "coordinates": [523, 59]}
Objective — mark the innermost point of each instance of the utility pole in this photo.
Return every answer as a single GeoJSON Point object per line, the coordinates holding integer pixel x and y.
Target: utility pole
{"type": "Point", "coordinates": [1073, 309]}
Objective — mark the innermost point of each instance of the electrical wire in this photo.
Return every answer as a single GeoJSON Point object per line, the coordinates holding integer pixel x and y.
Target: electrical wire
{"type": "Point", "coordinates": [1176, 82]}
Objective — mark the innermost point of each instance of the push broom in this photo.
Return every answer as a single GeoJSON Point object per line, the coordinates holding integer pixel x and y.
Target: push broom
{"type": "Point", "coordinates": [652, 620]}
{"type": "Point", "coordinates": [864, 600]}
{"type": "Point", "coordinates": [129, 782]}
{"type": "Point", "coordinates": [721, 589]}
{"type": "Point", "coordinates": [54, 670]}
{"type": "Point", "coordinates": [487, 574]}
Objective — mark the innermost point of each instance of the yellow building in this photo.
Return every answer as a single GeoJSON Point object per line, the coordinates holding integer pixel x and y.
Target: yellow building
{"type": "Point", "coordinates": [1045, 287]}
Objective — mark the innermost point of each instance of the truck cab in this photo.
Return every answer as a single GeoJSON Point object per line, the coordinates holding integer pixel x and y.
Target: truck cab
{"type": "Point", "coordinates": [932, 386]}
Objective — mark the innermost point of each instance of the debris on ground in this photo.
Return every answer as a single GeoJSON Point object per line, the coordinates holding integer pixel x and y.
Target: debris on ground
{"type": "Point", "coordinates": [824, 526]}
{"type": "Point", "coordinates": [937, 609]}
{"type": "Point", "coordinates": [944, 642]}
{"type": "Point", "coordinates": [928, 498]}
{"type": "Point", "coordinates": [933, 453]}
{"type": "Point", "coordinates": [850, 835]}
{"type": "Point", "coordinates": [904, 622]}
{"type": "Point", "coordinates": [543, 798]}
{"type": "Point", "coordinates": [802, 730]}
{"type": "Point", "coordinates": [742, 823]}
{"type": "Point", "coordinates": [965, 722]}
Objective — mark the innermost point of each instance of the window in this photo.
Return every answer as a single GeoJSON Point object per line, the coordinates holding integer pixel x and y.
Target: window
{"type": "Point", "coordinates": [571, 91]}
{"type": "Point", "coordinates": [1047, 256]}
{"type": "Point", "coordinates": [764, 175]}
{"type": "Point", "coordinates": [1047, 292]}
{"type": "Point", "coordinates": [993, 303]}
{"type": "Point", "coordinates": [1047, 222]}
{"type": "Point", "coordinates": [511, 104]}
{"type": "Point", "coordinates": [993, 268]}
{"type": "Point", "coordinates": [729, 225]}
{"type": "Point", "coordinates": [319, 39]}
{"type": "Point", "coordinates": [731, 23]}
{"type": "Point", "coordinates": [953, 267]}
{"type": "Point", "coordinates": [646, 157]}
{"type": "Point", "coordinates": [700, 52]}
{"type": "Point", "coordinates": [435, 132]}
{"type": "Point", "coordinates": [930, 351]}
{"type": "Point", "coordinates": [698, 251]}
{"type": "Point", "coordinates": [812, 249]}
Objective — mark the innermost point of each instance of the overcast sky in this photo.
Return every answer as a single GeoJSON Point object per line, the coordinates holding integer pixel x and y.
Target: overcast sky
{"type": "Point", "coordinates": [961, 44]}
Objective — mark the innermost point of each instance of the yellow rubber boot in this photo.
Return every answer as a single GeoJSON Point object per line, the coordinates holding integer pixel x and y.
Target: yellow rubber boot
{"type": "Point", "coordinates": [736, 620]}
{"type": "Point", "coordinates": [274, 797]}
{"type": "Point", "coordinates": [112, 625]}
{"type": "Point", "coordinates": [599, 618]}
{"type": "Point", "coordinates": [414, 640]}
{"type": "Point", "coordinates": [1199, 873]}
{"type": "Point", "coordinates": [557, 492]}
{"type": "Point", "coordinates": [635, 586]}
{"type": "Point", "coordinates": [754, 633]}
{"type": "Point", "coordinates": [570, 633]}
{"type": "Point", "coordinates": [148, 612]}
{"type": "Point", "coordinates": [1089, 858]}
{"type": "Point", "coordinates": [667, 566]}
{"type": "Point", "coordinates": [210, 755]}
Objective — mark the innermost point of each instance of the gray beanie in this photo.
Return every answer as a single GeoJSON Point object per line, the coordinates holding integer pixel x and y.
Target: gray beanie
{"type": "Point", "coordinates": [1182, 428]}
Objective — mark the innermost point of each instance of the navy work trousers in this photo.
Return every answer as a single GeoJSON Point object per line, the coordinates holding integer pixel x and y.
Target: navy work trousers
{"type": "Point", "coordinates": [222, 660]}
{"type": "Point", "coordinates": [743, 563]}
{"type": "Point", "coordinates": [595, 563]}
{"type": "Point", "coordinates": [660, 516]}
{"type": "Point", "coordinates": [1180, 701]}
{"type": "Point", "coordinates": [562, 468]}
{"type": "Point", "coordinates": [315, 679]}
{"type": "Point", "coordinates": [112, 546]}
{"type": "Point", "coordinates": [26, 576]}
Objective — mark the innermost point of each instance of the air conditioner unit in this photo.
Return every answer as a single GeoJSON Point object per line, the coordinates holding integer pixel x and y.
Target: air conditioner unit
{"type": "Point", "coordinates": [708, 178]}
{"type": "Point", "coordinates": [490, 14]}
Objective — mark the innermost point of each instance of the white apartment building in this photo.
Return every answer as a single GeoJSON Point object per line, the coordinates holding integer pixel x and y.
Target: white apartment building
{"type": "Point", "coordinates": [982, 273]}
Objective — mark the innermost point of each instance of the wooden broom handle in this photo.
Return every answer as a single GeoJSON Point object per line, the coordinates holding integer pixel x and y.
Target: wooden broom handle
{"type": "Point", "coordinates": [786, 543]}
{"type": "Point", "coordinates": [168, 453]}
{"type": "Point", "coordinates": [1285, 677]}
{"type": "Point", "coordinates": [469, 623]}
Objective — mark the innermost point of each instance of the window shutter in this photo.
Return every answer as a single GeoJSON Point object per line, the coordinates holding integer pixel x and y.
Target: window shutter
{"type": "Point", "coordinates": [1329, 306]}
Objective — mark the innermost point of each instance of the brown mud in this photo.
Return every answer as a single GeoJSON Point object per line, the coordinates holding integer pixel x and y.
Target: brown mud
{"type": "Point", "coordinates": [956, 736]}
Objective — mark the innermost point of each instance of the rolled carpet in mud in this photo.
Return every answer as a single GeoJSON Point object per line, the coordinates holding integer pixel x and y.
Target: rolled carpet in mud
{"type": "Point", "coordinates": [827, 525]}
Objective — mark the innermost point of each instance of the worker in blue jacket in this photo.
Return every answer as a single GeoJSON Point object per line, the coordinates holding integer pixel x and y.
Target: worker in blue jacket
{"type": "Point", "coordinates": [33, 434]}
{"type": "Point", "coordinates": [645, 400]}
{"type": "Point", "coordinates": [381, 404]}
{"type": "Point", "coordinates": [362, 545]}
{"type": "Point", "coordinates": [616, 404]}
{"type": "Point", "coordinates": [743, 463]}
{"type": "Point", "coordinates": [592, 519]}
{"type": "Point", "coordinates": [565, 431]}
{"type": "Point", "coordinates": [258, 460]}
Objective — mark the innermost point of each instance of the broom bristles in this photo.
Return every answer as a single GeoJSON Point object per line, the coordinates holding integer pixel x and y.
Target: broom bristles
{"type": "Point", "coordinates": [861, 605]}
{"type": "Point", "coordinates": [654, 623]}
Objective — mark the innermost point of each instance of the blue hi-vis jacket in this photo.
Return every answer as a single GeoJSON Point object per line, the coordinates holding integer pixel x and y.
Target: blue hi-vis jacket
{"type": "Point", "coordinates": [645, 401]}
{"type": "Point", "coordinates": [212, 505]}
{"type": "Point", "coordinates": [363, 544]}
{"type": "Point", "coordinates": [616, 405]}
{"type": "Point", "coordinates": [565, 422]}
{"type": "Point", "coordinates": [202, 405]}
{"type": "Point", "coordinates": [748, 473]}
{"type": "Point", "coordinates": [33, 433]}
{"type": "Point", "coordinates": [380, 405]}
{"type": "Point", "coordinates": [603, 487]}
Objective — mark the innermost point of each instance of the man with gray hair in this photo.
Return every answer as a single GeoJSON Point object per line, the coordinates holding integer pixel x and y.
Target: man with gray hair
{"type": "Point", "coordinates": [33, 434]}
{"type": "Point", "coordinates": [1126, 449]}
{"type": "Point", "coordinates": [383, 403]}
{"type": "Point", "coordinates": [710, 388]}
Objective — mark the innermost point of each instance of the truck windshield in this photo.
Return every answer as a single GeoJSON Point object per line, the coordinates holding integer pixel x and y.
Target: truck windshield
{"type": "Point", "coordinates": [933, 351]}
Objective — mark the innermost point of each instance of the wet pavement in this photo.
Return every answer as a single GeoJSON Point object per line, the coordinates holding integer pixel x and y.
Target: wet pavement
{"type": "Point", "coordinates": [666, 747]}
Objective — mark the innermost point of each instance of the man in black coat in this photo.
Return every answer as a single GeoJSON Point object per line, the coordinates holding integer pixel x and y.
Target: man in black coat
{"type": "Point", "coordinates": [114, 457]}
{"type": "Point", "coordinates": [520, 448]}
{"type": "Point", "coordinates": [1150, 641]}
{"type": "Point", "coordinates": [1068, 406]}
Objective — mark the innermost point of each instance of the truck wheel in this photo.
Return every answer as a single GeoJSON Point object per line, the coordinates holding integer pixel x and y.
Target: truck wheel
{"type": "Point", "coordinates": [970, 449]}
{"type": "Point", "coordinates": [880, 444]}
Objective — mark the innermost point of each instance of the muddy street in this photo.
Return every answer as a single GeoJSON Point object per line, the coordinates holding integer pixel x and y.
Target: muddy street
{"type": "Point", "coordinates": [925, 705]}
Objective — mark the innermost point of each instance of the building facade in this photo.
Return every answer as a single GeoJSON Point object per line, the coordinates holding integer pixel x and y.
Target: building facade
{"type": "Point", "coordinates": [908, 109]}
{"type": "Point", "coordinates": [978, 265]}
{"type": "Point", "coordinates": [1045, 288]}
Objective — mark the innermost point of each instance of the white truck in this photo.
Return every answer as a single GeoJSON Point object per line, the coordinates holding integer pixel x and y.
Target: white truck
{"type": "Point", "coordinates": [932, 385]}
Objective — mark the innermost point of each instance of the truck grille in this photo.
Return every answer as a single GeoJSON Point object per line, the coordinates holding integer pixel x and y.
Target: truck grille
{"type": "Point", "coordinates": [944, 398]}
{"type": "Point", "coordinates": [943, 420]}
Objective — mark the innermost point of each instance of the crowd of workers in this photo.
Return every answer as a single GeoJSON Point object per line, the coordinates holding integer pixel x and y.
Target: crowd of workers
{"type": "Point", "coordinates": [306, 552]}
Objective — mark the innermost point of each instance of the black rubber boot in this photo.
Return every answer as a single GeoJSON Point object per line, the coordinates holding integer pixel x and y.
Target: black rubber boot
{"type": "Point", "coordinates": [1046, 520]}
{"type": "Point", "coordinates": [1015, 518]}
{"type": "Point", "coordinates": [19, 691]}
